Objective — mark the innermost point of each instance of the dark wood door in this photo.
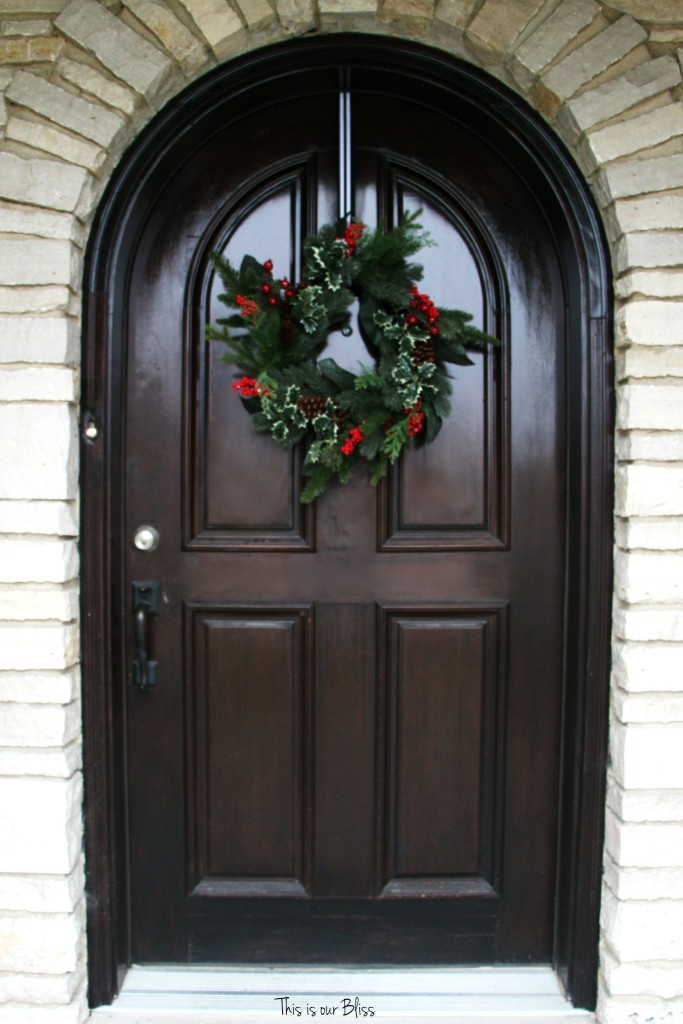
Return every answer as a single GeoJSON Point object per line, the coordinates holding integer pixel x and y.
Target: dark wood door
{"type": "Point", "coordinates": [352, 752]}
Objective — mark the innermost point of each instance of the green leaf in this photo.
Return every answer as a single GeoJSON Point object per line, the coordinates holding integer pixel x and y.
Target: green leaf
{"type": "Point", "coordinates": [344, 379]}
{"type": "Point", "coordinates": [315, 485]}
{"type": "Point", "coordinates": [379, 470]}
{"type": "Point", "coordinates": [366, 320]}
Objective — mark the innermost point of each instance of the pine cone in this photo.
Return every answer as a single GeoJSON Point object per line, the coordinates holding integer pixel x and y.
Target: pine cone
{"type": "Point", "coordinates": [312, 405]}
{"type": "Point", "coordinates": [341, 418]}
{"type": "Point", "coordinates": [424, 352]}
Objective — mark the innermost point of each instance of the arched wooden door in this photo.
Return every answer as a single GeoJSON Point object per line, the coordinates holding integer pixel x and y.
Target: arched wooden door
{"type": "Point", "coordinates": [353, 752]}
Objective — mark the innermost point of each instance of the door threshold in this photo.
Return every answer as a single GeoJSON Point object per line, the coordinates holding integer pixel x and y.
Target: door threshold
{"type": "Point", "coordinates": [251, 995]}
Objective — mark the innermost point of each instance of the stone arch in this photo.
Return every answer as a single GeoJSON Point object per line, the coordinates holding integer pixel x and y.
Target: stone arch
{"type": "Point", "coordinates": [74, 94]}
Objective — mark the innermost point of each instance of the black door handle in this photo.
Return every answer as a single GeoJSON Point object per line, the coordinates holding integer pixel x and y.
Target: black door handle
{"type": "Point", "coordinates": [146, 602]}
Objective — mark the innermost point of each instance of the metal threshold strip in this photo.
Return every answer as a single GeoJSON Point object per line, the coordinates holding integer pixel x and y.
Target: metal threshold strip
{"type": "Point", "coordinates": [249, 995]}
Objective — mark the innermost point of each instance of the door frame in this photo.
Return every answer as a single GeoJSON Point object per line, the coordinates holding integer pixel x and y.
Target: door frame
{"type": "Point", "coordinates": [582, 250]}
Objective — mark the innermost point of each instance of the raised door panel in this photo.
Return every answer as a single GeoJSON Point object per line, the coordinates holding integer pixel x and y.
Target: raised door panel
{"type": "Point", "coordinates": [443, 700]}
{"type": "Point", "coordinates": [249, 748]}
{"type": "Point", "coordinates": [453, 494]}
{"type": "Point", "coordinates": [241, 490]}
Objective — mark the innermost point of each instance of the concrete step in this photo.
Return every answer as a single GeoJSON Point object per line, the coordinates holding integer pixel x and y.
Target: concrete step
{"type": "Point", "coordinates": [239, 995]}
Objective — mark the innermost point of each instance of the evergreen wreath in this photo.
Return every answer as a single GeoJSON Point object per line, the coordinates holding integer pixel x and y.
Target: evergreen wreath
{"type": "Point", "coordinates": [281, 328]}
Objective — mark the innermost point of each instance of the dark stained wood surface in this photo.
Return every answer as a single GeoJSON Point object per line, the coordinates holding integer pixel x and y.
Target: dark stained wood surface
{"type": "Point", "coordinates": [465, 541]}
{"type": "Point", "coordinates": [450, 578]}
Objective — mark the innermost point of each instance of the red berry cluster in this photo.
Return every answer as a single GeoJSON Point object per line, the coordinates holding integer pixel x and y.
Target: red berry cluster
{"type": "Point", "coordinates": [266, 287]}
{"type": "Point", "coordinates": [417, 418]}
{"type": "Point", "coordinates": [290, 292]}
{"type": "Point", "coordinates": [248, 306]}
{"type": "Point", "coordinates": [249, 387]}
{"type": "Point", "coordinates": [352, 236]}
{"type": "Point", "coordinates": [423, 305]}
{"type": "Point", "coordinates": [352, 441]}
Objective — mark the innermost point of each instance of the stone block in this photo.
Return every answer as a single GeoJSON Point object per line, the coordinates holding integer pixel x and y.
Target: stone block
{"type": "Point", "coordinates": [654, 667]}
{"type": "Point", "coordinates": [647, 709]}
{"type": "Point", "coordinates": [19, 383]}
{"type": "Point", "coordinates": [36, 50]}
{"type": "Point", "coordinates": [93, 83]}
{"type": "Point", "coordinates": [649, 490]}
{"type": "Point", "coordinates": [130, 57]}
{"type": "Point", "coordinates": [651, 534]}
{"type": "Point", "coordinates": [643, 883]}
{"type": "Point", "coordinates": [653, 445]}
{"type": "Point", "coordinates": [296, 15]}
{"type": "Point", "coordinates": [636, 177]}
{"type": "Point", "coordinates": [217, 22]}
{"type": "Point", "coordinates": [648, 757]}
{"type": "Point", "coordinates": [40, 182]}
{"type": "Point", "coordinates": [91, 120]}
{"type": "Point", "coordinates": [37, 299]}
{"type": "Point", "coordinates": [640, 362]}
{"type": "Point", "coordinates": [75, 1012]}
{"type": "Point", "coordinates": [40, 943]}
{"type": "Point", "coordinates": [31, 6]}
{"type": "Point", "coordinates": [660, 12]}
{"type": "Point", "coordinates": [641, 931]}
{"type": "Point", "coordinates": [596, 55]}
{"type": "Point", "coordinates": [649, 212]}
{"type": "Point", "coordinates": [41, 762]}
{"type": "Point", "coordinates": [411, 15]}
{"type": "Point", "coordinates": [551, 37]}
{"type": "Point", "coordinates": [16, 219]}
{"type": "Point", "coordinates": [38, 560]}
{"type": "Point", "coordinates": [650, 249]}
{"type": "Point", "coordinates": [454, 13]}
{"type": "Point", "coordinates": [645, 805]}
{"type": "Point", "coordinates": [348, 7]}
{"type": "Point", "coordinates": [38, 339]}
{"type": "Point", "coordinates": [643, 845]}
{"type": "Point", "coordinates": [648, 624]}
{"type": "Point", "coordinates": [39, 454]}
{"type": "Point", "coordinates": [650, 323]}
{"type": "Point", "coordinates": [650, 407]}
{"type": "Point", "coordinates": [30, 602]}
{"type": "Point", "coordinates": [631, 136]}
{"type": "Point", "coordinates": [256, 13]}
{"type": "Point", "coordinates": [38, 261]}
{"type": "Point", "coordinates": [648, 979]}
{"type": "Point", "coordinates": [623, 92]}
{"type": "Point", "coordinates": [41, 827]}
{"type": "Point", "coordinates": [39, 725]}
{"type": "Point", "coordinates": [29, 27]}
{"type": "Point", "coordinates": [57, 143]}
{"type": "Point", "coordinates": [40, 989]}
{"type": "Point", "coordinates": [27, 646]}
{"type": "Point", "coordinates": [171, 33]}
{"type": "Point", "coordinates": [40, 687]}
{"type": "Point", "coordinates": [497, 24]}
{"type": "Point", "coordinates": [58, 518]}
{"type": "Point", "coordinates": [650, 578]}
{"type": "Point", "coordinates": [666, 284]}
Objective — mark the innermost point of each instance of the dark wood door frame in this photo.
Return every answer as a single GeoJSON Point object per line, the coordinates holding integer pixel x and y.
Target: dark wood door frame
{"type": "Point", "coordinates": [463, 93]}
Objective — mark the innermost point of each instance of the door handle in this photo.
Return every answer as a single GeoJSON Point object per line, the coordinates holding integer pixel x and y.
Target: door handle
{"type": "Point", "coordinates": [146, 602]}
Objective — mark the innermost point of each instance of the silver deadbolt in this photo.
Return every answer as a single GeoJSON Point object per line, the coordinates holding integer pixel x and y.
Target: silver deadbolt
{"type": "Point", "coordinates": [146, 538]}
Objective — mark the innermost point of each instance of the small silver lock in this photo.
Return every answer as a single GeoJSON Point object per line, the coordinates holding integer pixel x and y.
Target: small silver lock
{"type": "Point", "coordinates": [146, 538]}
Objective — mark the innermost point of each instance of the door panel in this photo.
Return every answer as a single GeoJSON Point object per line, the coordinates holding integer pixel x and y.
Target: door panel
{"type": "Point", "coordinates": [249, 750]}
{"type": "Point", "coordinates": [357, 714]}
{"type": "Point", "coordinates": [443, 755]}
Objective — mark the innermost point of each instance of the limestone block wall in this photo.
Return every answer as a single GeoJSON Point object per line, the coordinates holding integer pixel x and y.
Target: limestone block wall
{"type": "Point", "coordinates": [78, 81]}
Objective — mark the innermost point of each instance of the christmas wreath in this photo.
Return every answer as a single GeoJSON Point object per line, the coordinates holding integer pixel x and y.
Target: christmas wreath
{"type": "Point", "coordinates": [279, 330]}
